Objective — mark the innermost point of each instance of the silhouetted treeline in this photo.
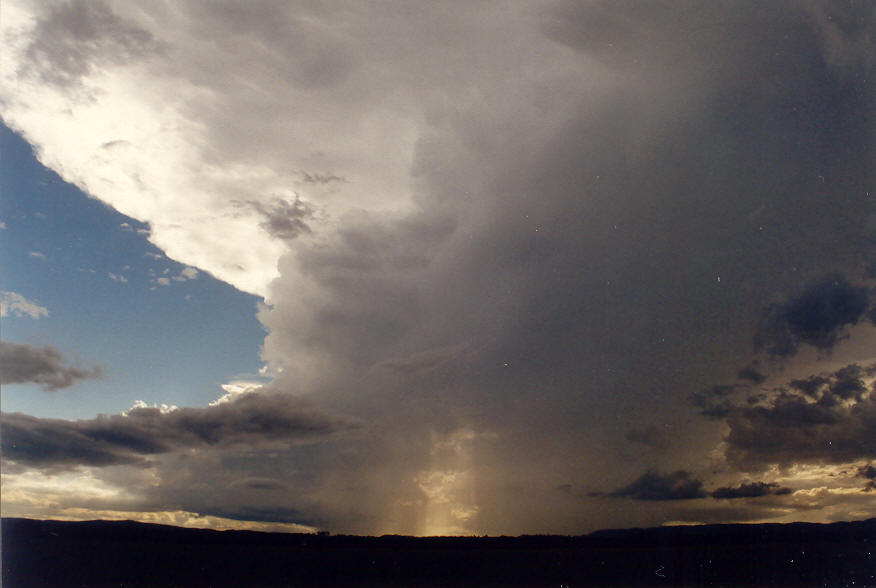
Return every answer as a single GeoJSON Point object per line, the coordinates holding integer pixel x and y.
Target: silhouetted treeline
{"type": "Point", "coordinates": [123, 553]}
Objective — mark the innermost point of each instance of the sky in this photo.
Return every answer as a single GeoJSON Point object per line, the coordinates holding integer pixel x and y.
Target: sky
{"type": "Point", "coordinates": [495, 267]}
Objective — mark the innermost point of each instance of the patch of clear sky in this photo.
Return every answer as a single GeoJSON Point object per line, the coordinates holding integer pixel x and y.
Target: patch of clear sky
{"type": "Point", "coordinates": [171, 344]}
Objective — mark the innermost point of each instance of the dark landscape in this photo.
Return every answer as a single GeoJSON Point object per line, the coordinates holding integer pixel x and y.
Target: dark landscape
{"type": "Point", "coordinates": [123, 553]}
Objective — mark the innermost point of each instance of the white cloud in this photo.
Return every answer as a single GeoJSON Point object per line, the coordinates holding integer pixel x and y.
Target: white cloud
{"type": "Point", "coordinates": [37, 255]}
{"type": "Point", "coordinates": [162, 408]}
{"type": "Point", "coordinates": [235, 388]}
{"type": "Point", "coordinates": [14, 304]}
{"type": "Point", "coordinates": [163, 281]}
{"type": "Point", "coordinates": [117, 277]}
{"type": "Point", "coordinates": [188, 273]}
{"type": "Point", "coordinates": [143, 118]}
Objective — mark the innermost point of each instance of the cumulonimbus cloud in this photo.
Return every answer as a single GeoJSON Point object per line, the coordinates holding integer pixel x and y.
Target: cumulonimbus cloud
{"type": "Point", "coordinates": [598, 198]}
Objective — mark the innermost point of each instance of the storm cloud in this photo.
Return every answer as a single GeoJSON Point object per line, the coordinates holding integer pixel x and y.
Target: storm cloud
{"type": "Point", "coordinates": [74, 38]}
{"type": "Point", "coordinates": [678, 485]}
{"type": "Point", "coordinates": [251, 420]}
{"type": "Point", "coordinates": [817, 316]}
{"type": "Point", "coordinates": [21, 363]}
{"type": "Point", "coordinates": [557, 223]}
{"type": "Point", "coordinates": [826, 417]}
{"type": "Point", "coordinates": [750, 490]}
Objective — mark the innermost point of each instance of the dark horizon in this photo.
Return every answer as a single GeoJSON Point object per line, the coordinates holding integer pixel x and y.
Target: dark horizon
{"type": "Point", "coordinates": [104, 553]}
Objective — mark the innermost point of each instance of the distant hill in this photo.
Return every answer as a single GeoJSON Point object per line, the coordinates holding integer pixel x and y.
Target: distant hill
{"type": "Point", "coordinates": [133, 555]}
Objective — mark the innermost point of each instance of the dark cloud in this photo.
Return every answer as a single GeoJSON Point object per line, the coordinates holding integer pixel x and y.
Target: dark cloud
{"type": "Point", "coordinates": [267, 484]}
{"type": "Point", "coordinates": [581, 250]}
{"type": "Point", "coordinates": [678, 485]}
{"type": "Point", "coordinates": [283, 219]}
{"type": "Point", "coordinates": [249, 421]}
{"type": "Point", "coordinates": [73, 38]}
{"type": "Point", "coordinates": [21, 363]}
{"type": "Point", "coordinates": [718, 401]}
{"type": "Point", "coordinates": [277, 514]}
{"type": "Point", "coordinates": [751, 374]}
{"type": "Point", "coordinates": [817, 316]}
{"type": "Point", "coordinates": [827, 417]}
{"type": "Point", "coordinates": [868, 472]}
{"type": "Point", "coordinates": [324, 178]}
{"type": "Point", "coordinates": [750, 490]}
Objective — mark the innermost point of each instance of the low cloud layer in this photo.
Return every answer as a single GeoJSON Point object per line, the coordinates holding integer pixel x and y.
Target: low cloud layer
{"type": "Point", "coordinates": [682, 485]}
{"type": "Point", "coordinates": [250, 420]}
{"type": "Point", "coordinates": [21, 363]}
{"type": "Point", "coordinates": [826, 417]}
{"type": "Point", "coordinates": [750, 490]}
{"type": "Point", "coordinates": [678, 485]}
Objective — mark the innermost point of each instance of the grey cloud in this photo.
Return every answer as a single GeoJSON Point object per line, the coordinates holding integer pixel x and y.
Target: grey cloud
{"type": "Point", "coordinates": [678, 485]}
{"type": "Point", "coordinates": [676, 32]}
{"type": "Point", "coordinates": [283, 219]}
{"type": "Point", "coordinates": [307, 52]}
{"type": "Point", "coordinates": [817, 316]}
{"type": "Point", "coordinates": [751, 374]}
{"type": "Point", "coordinates": [73, 38]}
{"type": "Point", "coordinates": [251, 421]}
{"type": "Point", "coordinates": [750, 490]}
{"type": "Point", "coordinates": [267, 484]}
{"type": "Point", "coordinates": [828, 417]}
{"type": "Point", "coordinates": [260, 514]}
{"type": "Point", "coordinates": [21, 363]}
{"type": "Point", "coordinates": [324, 178]}
{"type": "Point", "coordinates": [868, 472]}
{"type": "Point", "coordinates": [578, 239]}
{"type": "Point", "coordinates": [718, 401]}
{"type": "Point", "coordinates": [429, 361]}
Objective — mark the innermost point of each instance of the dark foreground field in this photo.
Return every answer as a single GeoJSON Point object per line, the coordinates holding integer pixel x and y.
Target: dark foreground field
{"type": "Point", "coordinates": [126, 554]}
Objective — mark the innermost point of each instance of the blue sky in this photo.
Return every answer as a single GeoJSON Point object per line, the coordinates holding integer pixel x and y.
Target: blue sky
{"type": "Point", "coordinates": [172, 344]}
